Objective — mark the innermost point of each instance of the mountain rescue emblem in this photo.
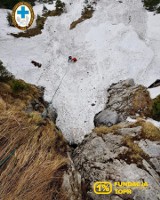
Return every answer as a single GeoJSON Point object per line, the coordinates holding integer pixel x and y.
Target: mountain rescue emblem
{"type": "Point", "coordinates": [22, 15]}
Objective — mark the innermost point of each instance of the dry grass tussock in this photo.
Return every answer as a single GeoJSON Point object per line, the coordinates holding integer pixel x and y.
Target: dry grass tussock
{"type": "Point", "coordinates": [141, 103]}
{"type": "Point", "coordinates": [106, 130]}
{"type": "Point", "coordinates": [32, 157]}
{"type": "Point", "coordinates": [86, 14]}
{"type": "Point", "coordinates": [134, 154]}
{"type": "Point", "coordinates": [18, 93]}
{"type": "Point", "coordinates": [149, 131]}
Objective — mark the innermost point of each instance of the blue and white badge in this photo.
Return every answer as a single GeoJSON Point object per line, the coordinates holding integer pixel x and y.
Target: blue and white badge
{"type": "Point", "coordinates": [22, 15]}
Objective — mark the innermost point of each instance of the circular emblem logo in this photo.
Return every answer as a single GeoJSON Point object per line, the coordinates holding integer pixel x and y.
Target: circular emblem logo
{"type": "Point", "coordinates": [22, 15]}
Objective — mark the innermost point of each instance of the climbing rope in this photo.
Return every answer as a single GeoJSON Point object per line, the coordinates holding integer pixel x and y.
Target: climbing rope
{"type": "Point", "coordinates": [60, 83]}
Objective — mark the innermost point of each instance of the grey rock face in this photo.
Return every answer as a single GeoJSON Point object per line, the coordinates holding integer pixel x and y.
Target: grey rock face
{"type": "Point", "coordinates": [106, 117]}
{"type": "Point", "coordinates": [106, 157]}
{"type": "Point", "coordinates": [121, 153]}
{"type": "Point", "coordinates": [72, 183]}
{"type": "Point", "coordinates": [135, 131]}
{"type": "Point", "coordinates": [52, 113]}
{"type": "Point", "coordinates": [127, 99]}
{"type": "Point", "coordinates": [153, 150]}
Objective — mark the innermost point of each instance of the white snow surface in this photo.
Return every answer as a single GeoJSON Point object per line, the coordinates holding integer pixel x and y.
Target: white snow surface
{"type": "Point", "coordinates": [154, 92]}
{"type": "Point", "coordinates": [120, 41]}
{"type": "Point", "coordinates": [155, 123]}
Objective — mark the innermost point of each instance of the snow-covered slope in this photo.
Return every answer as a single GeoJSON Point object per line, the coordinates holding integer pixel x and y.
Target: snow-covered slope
{"type": "Point", "coordinates": [121, 40]}
{"type": "Point", "coordinates": [154, 92]}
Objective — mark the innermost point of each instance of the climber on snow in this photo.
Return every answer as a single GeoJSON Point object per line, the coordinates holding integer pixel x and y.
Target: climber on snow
{"type": "Point", "coordinates": [74, 59]}
{"type": "Point", "coordinates": [70, 59]}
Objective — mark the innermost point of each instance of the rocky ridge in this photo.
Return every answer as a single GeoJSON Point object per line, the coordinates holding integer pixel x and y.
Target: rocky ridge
{"type": "Point", "coordinates": [118, 150]}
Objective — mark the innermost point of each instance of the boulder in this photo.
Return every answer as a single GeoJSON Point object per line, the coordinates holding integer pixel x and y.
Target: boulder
{"type": "Point", "coordinates": [106, 117]}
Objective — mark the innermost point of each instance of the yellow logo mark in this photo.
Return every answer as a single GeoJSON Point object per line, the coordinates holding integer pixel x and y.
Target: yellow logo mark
{"type": "Point", "coordinates": [102, 187]}
{"type": "Point", "coordinates": [22, 15]}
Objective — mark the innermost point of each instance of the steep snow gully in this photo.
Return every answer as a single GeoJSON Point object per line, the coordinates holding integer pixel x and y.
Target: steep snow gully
{"type": "Point", "coordinates": [120, 41]}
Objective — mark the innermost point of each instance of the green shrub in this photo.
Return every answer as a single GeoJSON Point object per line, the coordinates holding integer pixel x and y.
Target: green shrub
{"type": "Point", "coordinates": [5, 75]}
{"type": "Point", "coordinates": [40, 22]}
{"type": "Point", "coordinates": [9, 4]}
{"type": "Point", "coordinates": [152, 5]}
{"type": "Point", "coordinates": [60, 6]}
{"type": "Point", "coordinates": [9, 19]}
{"type": "Point", "coordinates": [18, 86]}
{"type": "Point", "coordinates": [156, 108]}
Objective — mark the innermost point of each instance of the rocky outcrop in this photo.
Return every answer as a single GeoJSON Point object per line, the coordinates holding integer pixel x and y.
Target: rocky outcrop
{"type": "Point", "coordinates": [121, 154]}
{"type": "Point", "coordinates": [125, 99]}
{"type": "Point", "coordinates": [52, 113]}
{"type": "Point", "coordinates": [72, 182]}
{"type": "Point", "coordinates": [121, 151]}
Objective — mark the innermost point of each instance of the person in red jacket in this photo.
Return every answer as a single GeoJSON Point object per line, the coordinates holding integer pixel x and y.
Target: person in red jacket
{"type": "Point", "coordinates": [74, 59]}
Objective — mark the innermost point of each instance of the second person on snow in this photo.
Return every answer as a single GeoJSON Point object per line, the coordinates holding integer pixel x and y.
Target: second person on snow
{"type": "Point", "coordinates": [70, 59]}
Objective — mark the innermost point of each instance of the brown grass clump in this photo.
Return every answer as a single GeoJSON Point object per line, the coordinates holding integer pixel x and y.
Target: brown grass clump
{"type": "Point", "coordinates": [128, 141]}
{"type": "Point", "coordinates": [134, 154]}
{"type": "Point", "coordinates": [86, 14]}
{"type": "Point", "coordinates": [149, 131]}
{"type": "Point", "coordinates": [141, 102]}
{"type": "Point", "coordinates": [32, 156]}
{"type": "Point", "coordinates": [20, 94]}
{"type": "Point", "coordinates": [105, 130]}
{"type": "Point", "coordinates": [35, 117]}
{"type": "Point", "coordinates": [52, 13]}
